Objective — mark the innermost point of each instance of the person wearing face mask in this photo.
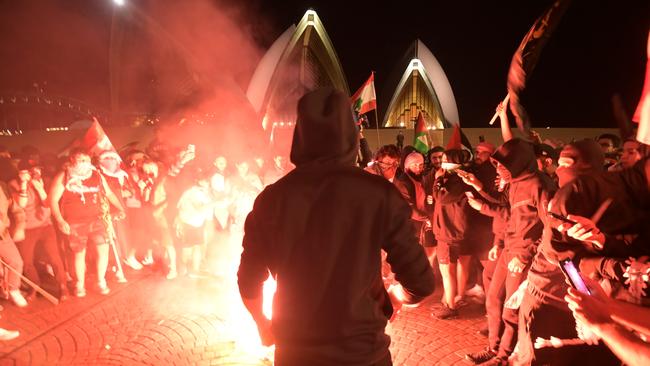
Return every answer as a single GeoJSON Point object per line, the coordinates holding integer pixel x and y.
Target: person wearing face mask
{"type": "Point", "coordinates": [529, 193]}
{"type": "Point", "coordinates": [583, 195]}
{"type": "Point", "coordinates": [385, 163]}
{"type": "Point", "coordinates": [451, 227]}
{"type": "Point", "coordinates": [76, 200]}
{"type": "Point", "coordinates": [118, 180]}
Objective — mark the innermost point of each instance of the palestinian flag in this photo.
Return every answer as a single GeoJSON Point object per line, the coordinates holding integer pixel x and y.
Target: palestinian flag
{"type": "Point", "coordinates": [365, 99]}
{"type": "Point", "coordinates": [525, 58]}
{"type": "Point", "coordinates": [421, 138]}
{"type": "Point", "coordinates": [458, 141]}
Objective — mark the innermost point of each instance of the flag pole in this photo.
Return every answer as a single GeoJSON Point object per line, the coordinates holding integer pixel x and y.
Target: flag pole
{"type": "Point", "coordinates": [496, 114]}
{"type": "Point", "coordinates": [376, 115]}
{"type": "Point", "coordinates": [377, 129]}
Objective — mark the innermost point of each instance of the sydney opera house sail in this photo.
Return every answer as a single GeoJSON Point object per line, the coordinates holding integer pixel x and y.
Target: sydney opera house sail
{"type": "Point", "coordinates": [301, 59]}
{"type": "Point", "coordinates": [422, 87]}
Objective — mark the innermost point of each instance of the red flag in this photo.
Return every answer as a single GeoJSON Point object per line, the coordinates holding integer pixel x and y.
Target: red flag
{"type": "Point", "coordinates": [642, 114]}
{"type": "Point", "coordinates": [365, 99]}
{"type": "Point", "coordinates": [95, 140]}
{"type": "Point", "coordinates": [525, 58]}
{"type": "Point", "coordinates": [458, 140]}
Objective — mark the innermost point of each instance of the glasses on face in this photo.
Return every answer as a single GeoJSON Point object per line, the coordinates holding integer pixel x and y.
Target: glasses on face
{"type": "Point", "coordinates": [387, 164]}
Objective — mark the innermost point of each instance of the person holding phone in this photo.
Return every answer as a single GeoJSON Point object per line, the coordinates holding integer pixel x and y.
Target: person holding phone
{"type": "Point", "coordinates": [617, 323]}
{"type": "Point", "coordinates": [569, 233]}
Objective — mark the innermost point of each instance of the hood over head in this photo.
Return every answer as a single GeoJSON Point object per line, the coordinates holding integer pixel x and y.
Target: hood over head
{"type": "Point", "coordinates": [325, 132]}
{"type": "Point", "coordinates": [518, 156]}
{"type": "Point", "coordinates": [586, 157]}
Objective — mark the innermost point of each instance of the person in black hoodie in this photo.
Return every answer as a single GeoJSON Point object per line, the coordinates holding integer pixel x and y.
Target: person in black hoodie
{"type": "Point", "coordinates": [583, 190]}
{"type": "Point", "coordinates": [529, 193]}
{"type": "Point", "coordinates": [451, 226]}
{"type": "Point", "coordinates": [319, 231]}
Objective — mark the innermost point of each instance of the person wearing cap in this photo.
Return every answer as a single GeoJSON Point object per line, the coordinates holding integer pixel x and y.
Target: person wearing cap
{"type": "Point", "coordinates": [320, 231]}
{"type": "Point", "coordinates": [30, 192]}
{"type": "Point", "coordinates": [546, 157]}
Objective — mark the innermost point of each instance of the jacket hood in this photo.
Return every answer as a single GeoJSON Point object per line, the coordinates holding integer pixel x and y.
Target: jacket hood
{"type": "Point", "coordinates": [516, 155]}
{"type": "Point", "coordinates": [325, 132]}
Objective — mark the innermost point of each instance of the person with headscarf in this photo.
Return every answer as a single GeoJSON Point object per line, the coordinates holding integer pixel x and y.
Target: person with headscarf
{"type": "Point", "coordinates": [320, 231]}
{"type": "Point", "coordinates": [411, 188]}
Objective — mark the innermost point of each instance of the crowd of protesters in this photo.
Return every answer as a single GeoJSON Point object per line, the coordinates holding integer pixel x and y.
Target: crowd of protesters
{"type": "Point", "coordinates": [496, 222]}
{"type": "Point", "coordinates": [504, 218]}
{"type": "Point", "coordinates": [74, 224]}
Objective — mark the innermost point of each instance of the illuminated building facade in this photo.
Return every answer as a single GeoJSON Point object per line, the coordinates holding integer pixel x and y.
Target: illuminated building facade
{"type": "Point", "coordinates": [300, 60]}
{"type": "Point", "coordinates": [423, 87]}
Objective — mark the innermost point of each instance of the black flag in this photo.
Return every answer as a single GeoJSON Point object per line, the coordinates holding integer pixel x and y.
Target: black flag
{"type": "Point", "coordinates": [525, 58]}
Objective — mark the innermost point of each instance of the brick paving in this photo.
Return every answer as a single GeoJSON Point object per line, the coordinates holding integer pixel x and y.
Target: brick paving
{"type": "Point", "coordinates": [152, 321]}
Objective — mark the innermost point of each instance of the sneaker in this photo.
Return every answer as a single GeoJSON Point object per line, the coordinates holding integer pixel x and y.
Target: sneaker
{"type": "Point", "coordinates": [495, 361]}
{"type": "Point", "coordinates": [7, 335]}
{"type": "Point", "coordinates": [446, 313]}
{"type": "Point", "coordinates": [133, 263]}
{"type": "Point", "coordinates": [172, 274]}
{"type": "Point", "coordinates": [460, 302]}
{"type": "Point", "coordinates": [103, 288]}
{"type": "Point", "coordinates": [80, 291]}
{"type": "Point", "coordinates": [481, 356]}
{"type": "Point", "coordinates": [477, 293]}
{"type": "Point", "coordinates": [17, 298]}
{"type": "Point", "coordinates": [148, 260]}
{"type": "Point", "coordinates": [120, 277]}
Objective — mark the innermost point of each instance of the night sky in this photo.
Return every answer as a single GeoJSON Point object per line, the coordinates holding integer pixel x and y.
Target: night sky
{"type": "Point", "coordinates": [597, 51]}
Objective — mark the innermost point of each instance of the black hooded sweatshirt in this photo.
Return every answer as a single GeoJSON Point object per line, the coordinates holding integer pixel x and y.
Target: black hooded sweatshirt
{"type": "Point", "coordinates": [320, 231]}
{"type": "Point", "coordinates": [529, 193]}
{"type": "Point", "coordinates": [628, 214]}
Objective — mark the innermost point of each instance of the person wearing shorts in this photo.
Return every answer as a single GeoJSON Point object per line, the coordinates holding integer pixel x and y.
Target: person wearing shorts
{"type": "Point", "coordinates": [76, 200]}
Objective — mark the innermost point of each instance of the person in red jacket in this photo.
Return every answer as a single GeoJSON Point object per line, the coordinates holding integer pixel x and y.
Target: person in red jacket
{"type": "Point", "coordinates": [320, 231]}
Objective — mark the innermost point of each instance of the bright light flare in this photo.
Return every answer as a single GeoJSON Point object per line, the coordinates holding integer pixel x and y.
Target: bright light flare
{"type": "Point", "coordinates": [119, 2]}
{"type": "Point", "coordinates": [268, 293]}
